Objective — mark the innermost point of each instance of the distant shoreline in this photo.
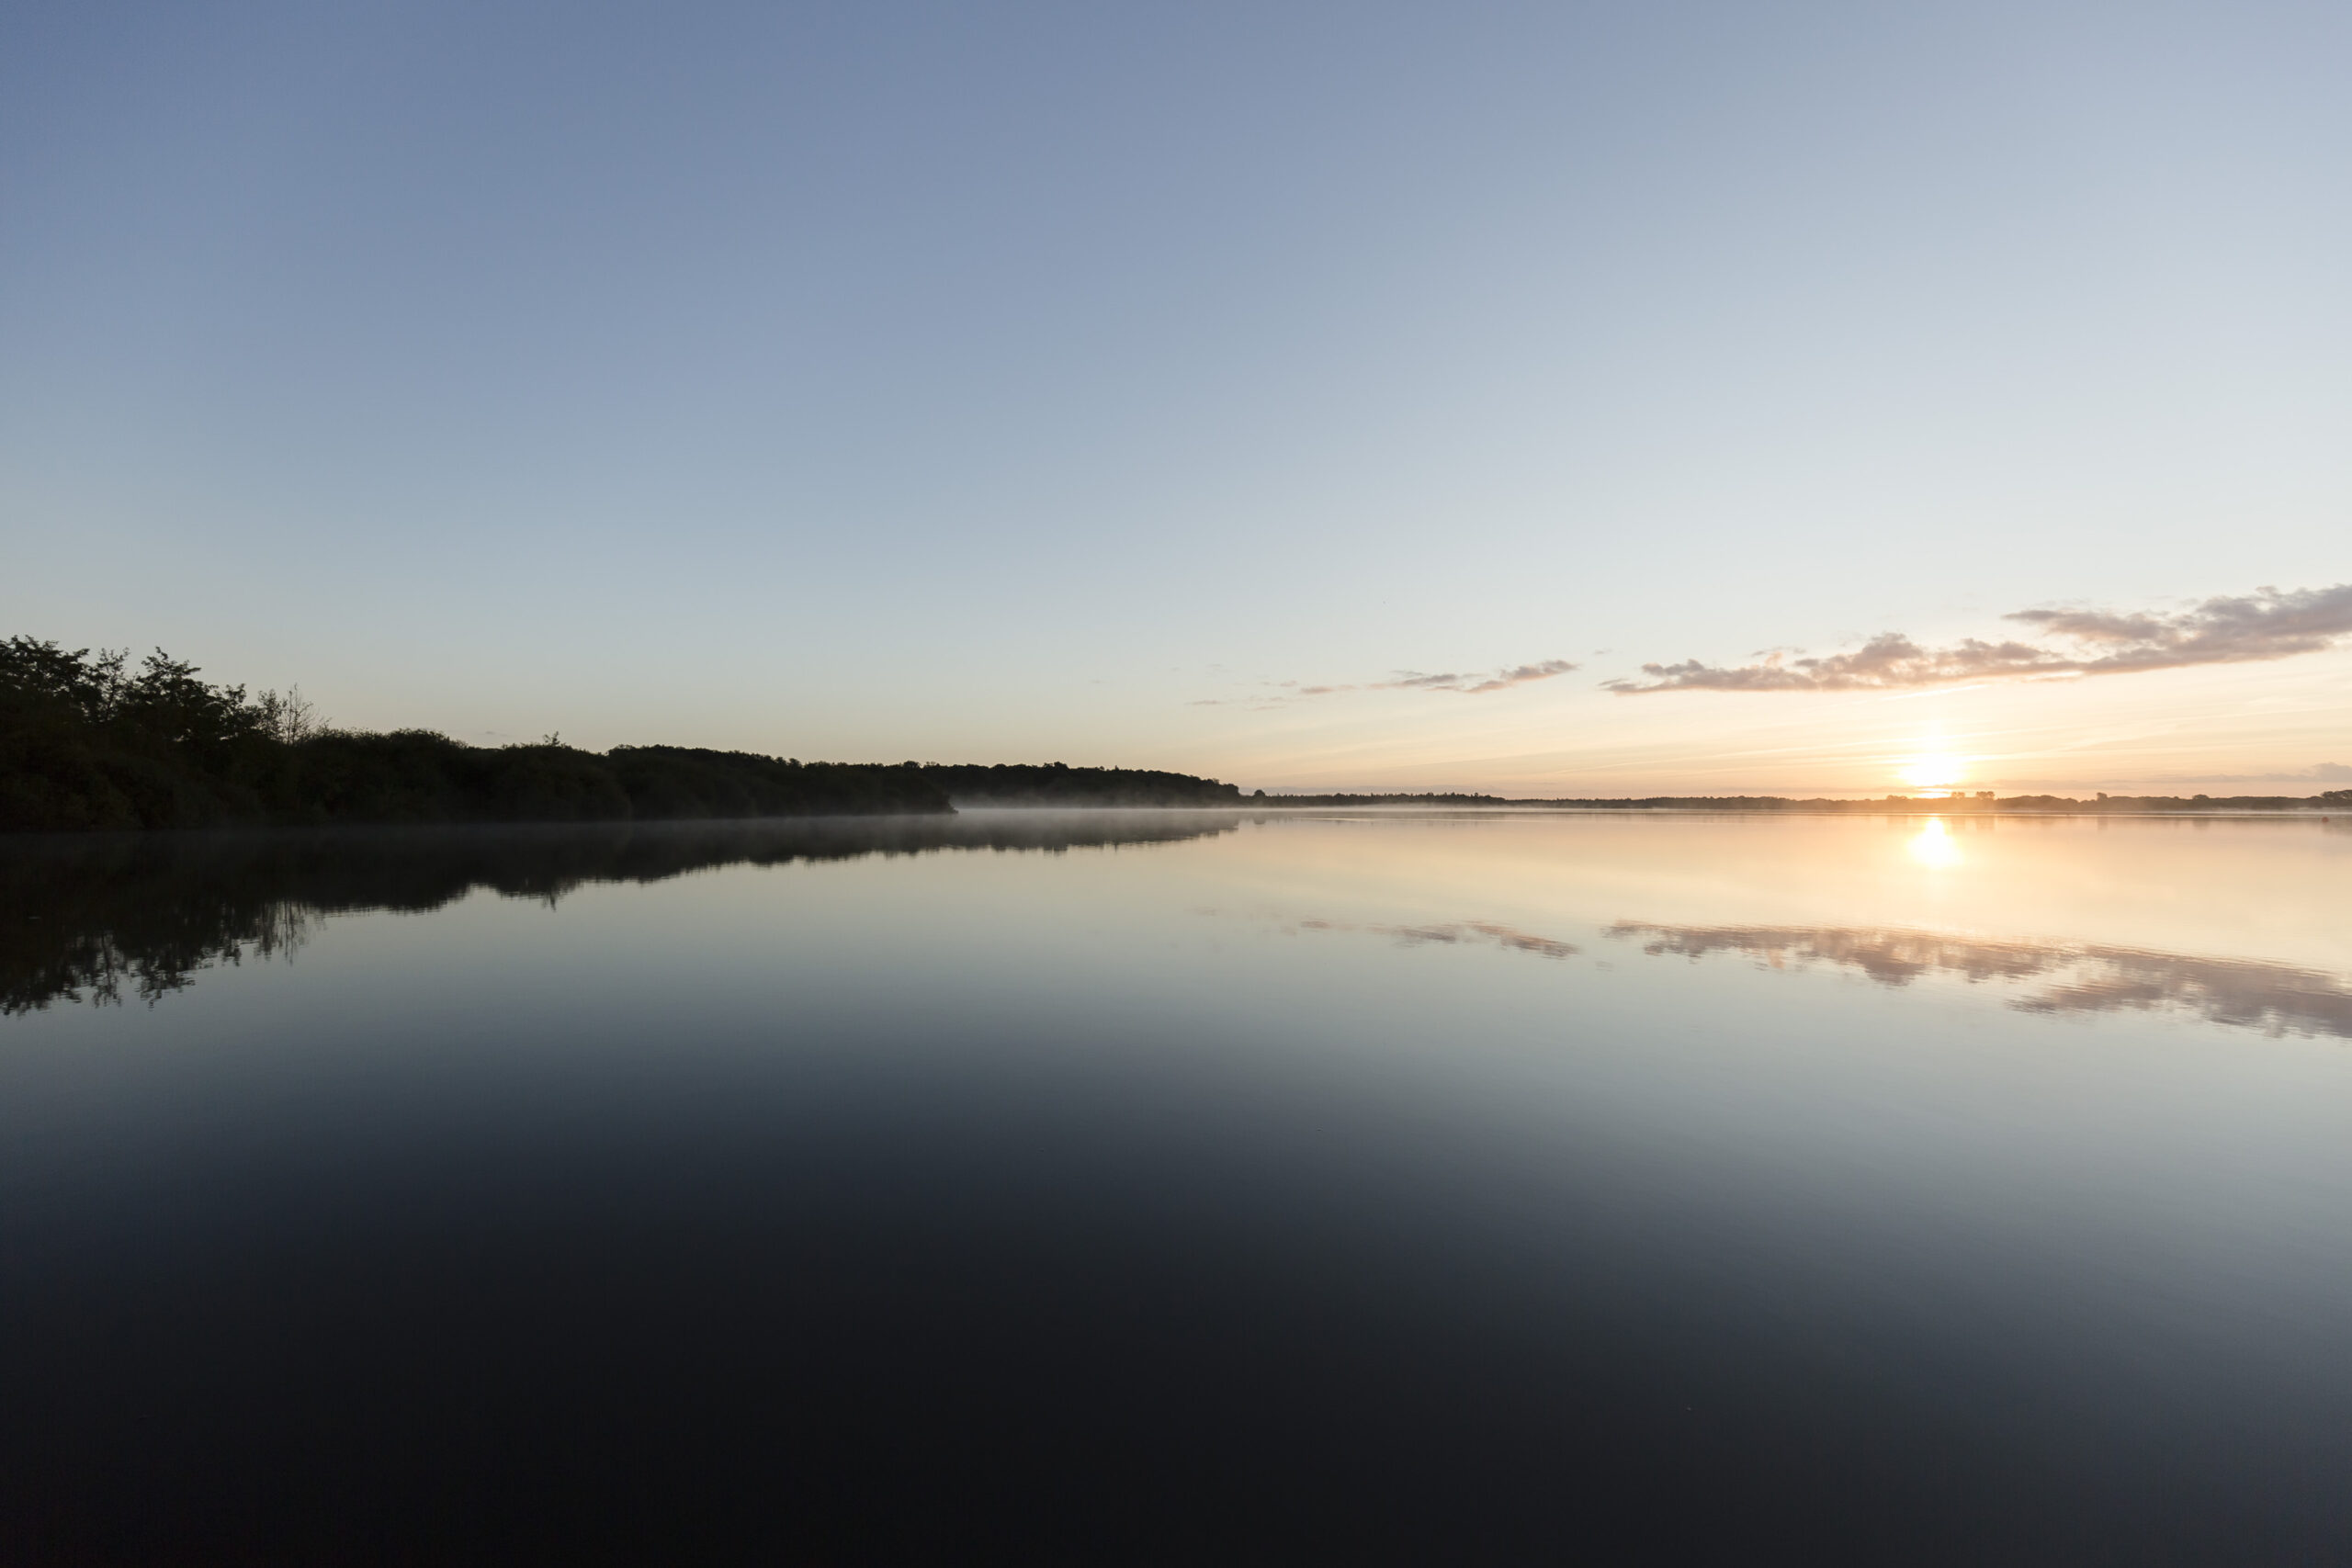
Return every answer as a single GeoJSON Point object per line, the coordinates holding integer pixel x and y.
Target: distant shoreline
{"type": "Point", "coordinates": [2296, 809]}
{"type": "Point", "coordinates": [1888, 805]}
{"type": "Point", "coordinates": [91, 744]}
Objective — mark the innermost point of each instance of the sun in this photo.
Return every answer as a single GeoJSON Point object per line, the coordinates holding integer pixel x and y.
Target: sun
{"type": "Point", "coordinates": [1934, 771]}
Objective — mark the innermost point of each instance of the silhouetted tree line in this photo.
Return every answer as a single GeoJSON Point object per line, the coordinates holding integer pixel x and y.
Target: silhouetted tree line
{"type": "Point", "coordinates": [1893, 805]}
{"type": "Point", "coordinates": [106, 916]}
{"type": "Point", "coordinates": [1962, 805]}
{"type": "Point", "coordinates": [89, 741]}
{"type": "Point", "coordinates": [1054, 783]}
{"type": "Point", "coordinates": [1262, 798]}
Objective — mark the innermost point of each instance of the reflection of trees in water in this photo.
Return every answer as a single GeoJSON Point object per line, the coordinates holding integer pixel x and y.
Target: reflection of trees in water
{"type": "Point", "coordinates": [97, 918]}
{"type": "Point", "coordinates": [156, 948]}
{"type": "Point", "coordinates": [2276, 998]}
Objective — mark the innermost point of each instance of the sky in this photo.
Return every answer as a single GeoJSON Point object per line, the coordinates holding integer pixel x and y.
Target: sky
{"type": "Point", "coordinates": [1548, 399]}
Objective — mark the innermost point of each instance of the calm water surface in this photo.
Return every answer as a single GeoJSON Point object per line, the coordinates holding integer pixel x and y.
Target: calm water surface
{"type": "Point", "coordinates": [1181, 1187]}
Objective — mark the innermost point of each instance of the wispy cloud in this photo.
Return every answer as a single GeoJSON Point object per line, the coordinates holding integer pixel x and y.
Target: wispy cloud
{"type": "Point", "coordinates": [2265, 623]}
{"type": "Point", "coordinates": [1471, 684]}
{"type": "Point", "coordinates": [1500, 679]}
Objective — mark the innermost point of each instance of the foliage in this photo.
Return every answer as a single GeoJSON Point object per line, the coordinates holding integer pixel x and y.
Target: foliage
{"type": "Point", "coordinates": [87, 742]}
{"type": "Point", "coordinates": [1053, 783]}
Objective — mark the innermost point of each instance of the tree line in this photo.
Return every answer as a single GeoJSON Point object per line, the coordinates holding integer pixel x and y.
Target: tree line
{"type": "Point", "coordinates": [1981, 803]}
{"type": "Point", "coordinates": [1055, 783]}
{"type": "Point", "coordinates": [92, 741]}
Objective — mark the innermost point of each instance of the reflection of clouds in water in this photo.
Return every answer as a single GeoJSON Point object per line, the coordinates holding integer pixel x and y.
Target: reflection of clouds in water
{"type": "Point", "coordinates": [1465, 932]}
{"type": "Point", "coordinates": [2276, 998]}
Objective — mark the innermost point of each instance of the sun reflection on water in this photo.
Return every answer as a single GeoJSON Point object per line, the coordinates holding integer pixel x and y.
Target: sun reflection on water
{"type": "Point", "coordinates": [1934, 846]}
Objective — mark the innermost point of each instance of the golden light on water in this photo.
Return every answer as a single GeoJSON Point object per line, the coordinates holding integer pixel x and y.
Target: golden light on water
{"type": "Point", "coordinates": [1933, 845]}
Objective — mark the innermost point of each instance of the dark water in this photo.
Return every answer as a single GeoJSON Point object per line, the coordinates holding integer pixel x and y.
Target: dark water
{"type": "Point", "coordinates": [1182, 1189]}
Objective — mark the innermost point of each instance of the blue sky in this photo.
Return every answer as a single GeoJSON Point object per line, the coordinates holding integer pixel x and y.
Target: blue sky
{"type": "Point", "coordinates": [1018, 381]}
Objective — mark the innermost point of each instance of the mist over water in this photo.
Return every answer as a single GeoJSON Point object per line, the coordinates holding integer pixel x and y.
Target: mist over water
{"type": "Point", "coordinates": [1182, 1187]}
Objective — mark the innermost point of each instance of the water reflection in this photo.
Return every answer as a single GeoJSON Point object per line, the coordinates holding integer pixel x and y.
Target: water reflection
{"type": "Point", "coordinates": [977, 1207]}
{"type": "Point", "coordinates": [1451, 934]}
{"type": "Point", "coordinates": [100, 918]}
{"type": "Point", "coordinates": [2276, 998]}
{"type": "Point", "coordinates": [1933, 845]}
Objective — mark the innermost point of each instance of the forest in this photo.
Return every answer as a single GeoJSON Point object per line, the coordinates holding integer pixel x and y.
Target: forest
{"type": "Point", "coordinates": [1053, 783]}
{"type": "Point", "coordinates": [90, 742]}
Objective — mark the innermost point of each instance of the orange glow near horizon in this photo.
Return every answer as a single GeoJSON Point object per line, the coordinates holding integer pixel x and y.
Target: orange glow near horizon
{"type": "Point", "coordinates": [1935, 772]}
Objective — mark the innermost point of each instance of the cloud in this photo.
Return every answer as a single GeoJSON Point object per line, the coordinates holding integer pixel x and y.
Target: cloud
{"type": "Point", "coordinates": [2265, 623]}
{"type": "Point", "coordinates": [1407, 681]}
{"type": "Point", "coordinates": [1500, 680]}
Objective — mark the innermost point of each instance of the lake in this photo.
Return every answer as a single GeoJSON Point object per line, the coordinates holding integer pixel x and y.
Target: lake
{"type": "Point", "coordinates": [1181, 1187]}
